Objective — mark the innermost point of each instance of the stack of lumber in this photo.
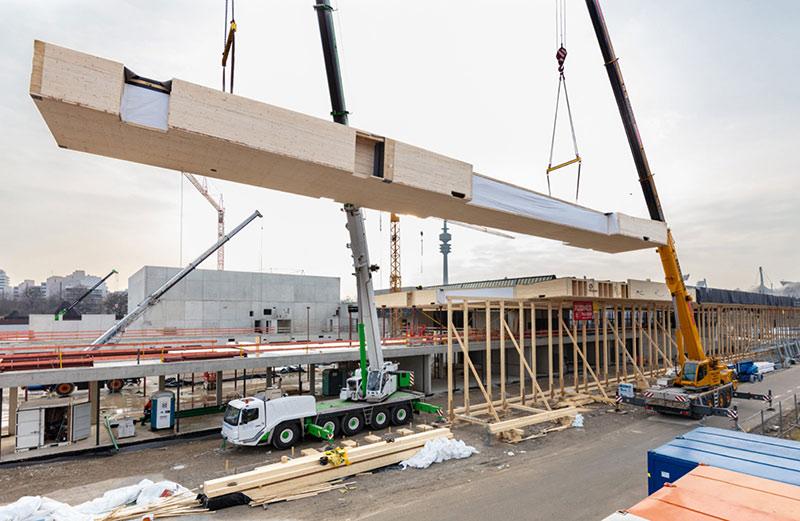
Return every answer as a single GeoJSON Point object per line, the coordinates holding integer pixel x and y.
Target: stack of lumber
{"type": "Point", "coordinates": [300, 476]}
{"type": "Point", "coordinates": [184, 504]}
{"type": "Point", "coordinates": [89, 106]}
{"type": "Point", "coordinates": [533, 419]}
{"type": "Point", "coordinates": [267, 498]}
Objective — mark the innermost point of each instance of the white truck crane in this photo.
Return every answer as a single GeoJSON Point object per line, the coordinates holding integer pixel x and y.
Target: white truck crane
{"type": "Point", "coordinates": [378, 394]}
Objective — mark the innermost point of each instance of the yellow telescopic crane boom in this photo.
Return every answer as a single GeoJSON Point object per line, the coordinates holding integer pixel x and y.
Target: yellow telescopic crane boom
{"type": "Point", "coordinates": [688, 336]}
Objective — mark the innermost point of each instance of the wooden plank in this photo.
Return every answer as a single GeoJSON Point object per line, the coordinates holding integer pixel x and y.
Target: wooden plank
{"type": "Point", "coordinates": [229, 137]}
{"type": "Point", "coordinates": [533, 419]}
{"type": "Point", "coordinates": [310, 452]}
{"type": "Point", "coordinates": [343, 471]}
{"type": "Point", "coordinates": [299, 467]}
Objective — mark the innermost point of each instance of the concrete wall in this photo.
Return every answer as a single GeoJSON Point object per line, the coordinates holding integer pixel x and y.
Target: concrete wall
{"type": "Point", "coordinates": [648, 290]}
{"type": "Point", "coordinates": [46, 323]}
{"type": "Point", "coordinates": [235, 299]}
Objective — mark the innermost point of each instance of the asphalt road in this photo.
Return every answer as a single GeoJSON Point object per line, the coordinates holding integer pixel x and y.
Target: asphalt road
{"type": "Point", "coordinates": [784, 385]}
{"type": "Point", "coordinates": [582, 481]}
{"type": "Point", "coordinates": [577, 474]}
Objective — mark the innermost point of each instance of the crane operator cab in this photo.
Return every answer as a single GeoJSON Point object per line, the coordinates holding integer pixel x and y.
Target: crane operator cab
{"type": "Point", "coordinates": [703, 374]}
{"type": "Point", "coordinates": [261, 420]}
{"type": "Point", "coordinates": [380, 384]}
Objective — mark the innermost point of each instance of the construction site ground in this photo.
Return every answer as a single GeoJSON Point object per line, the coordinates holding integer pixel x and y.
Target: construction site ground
{"type": "Point", "coordinates": [583, 473]}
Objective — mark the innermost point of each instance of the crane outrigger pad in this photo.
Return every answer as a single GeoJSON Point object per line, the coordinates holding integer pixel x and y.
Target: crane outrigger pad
{"type": "Point", "coordinates": [91, 105]}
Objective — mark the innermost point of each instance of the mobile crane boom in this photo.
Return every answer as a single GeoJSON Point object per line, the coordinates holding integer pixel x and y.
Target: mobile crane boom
{"type": "Point", "coordinates": [65, 308]}
{"type": "Point", "coordinates": [378, 380]}
{"type": "Point", "coordinates": [688, 337]}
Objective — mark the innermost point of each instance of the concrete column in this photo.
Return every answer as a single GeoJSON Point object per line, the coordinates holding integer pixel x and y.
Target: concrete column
{"type": "Point", "coordinates": [427, 370]}
{"type": "Point", "coordinates": [162, 381]}
{"type": "Point", "coordinates": [269, 377]}
{"type": "Point", "coordinates": [312, 378]}
{"type": "Point", "coordinates": [1, 420]}
{"type": "Point", "coordinates": [218, 388]}
{"type": "Point", "coordinates": [178, 407]}
{"type": "Point", "coordinates": [93, 398]}
{"type": "Point", "coordinates": [13, 398]}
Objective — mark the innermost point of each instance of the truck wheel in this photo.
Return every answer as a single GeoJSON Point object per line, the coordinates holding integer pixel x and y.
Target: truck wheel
{"type": "Point", "coordinates": [286, 435]}
{"type": "Point", "coordinates": [352, 423]}
{"type": "Point", "coordinates": [380, 419]}
{"type": "Point", "coordinates": [401, 415]}
{"type": "Point", "coordinates": [64, 389]}
{"type": "Point", "coordinates": [332, 423]}
{"type": "Point", "coordinates": [115, 385]}
{"type": "Point", "coordinates": [760, 377]}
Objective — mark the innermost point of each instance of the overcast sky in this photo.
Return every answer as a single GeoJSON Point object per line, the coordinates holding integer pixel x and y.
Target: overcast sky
{"type": "Point", "coordinates": [714, 85]}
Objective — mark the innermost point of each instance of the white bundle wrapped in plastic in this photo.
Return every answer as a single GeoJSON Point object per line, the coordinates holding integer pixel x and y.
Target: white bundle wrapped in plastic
{"type": "Point", "coordinates": [437, 451]}
{"type": "Point", "coordinates": [38, 508]}
{"type": "Point", "coordinates": [765, 367]}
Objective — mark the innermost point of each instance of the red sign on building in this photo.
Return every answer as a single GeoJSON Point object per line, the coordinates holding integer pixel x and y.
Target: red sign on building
{"type": "Point", "coordinates": [582, 311]}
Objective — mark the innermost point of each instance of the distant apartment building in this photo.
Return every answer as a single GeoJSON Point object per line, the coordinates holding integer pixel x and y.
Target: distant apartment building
{"type": "Point", "coordinates": [57, 285]}
{"type": "Point", "coordinates": [5, 285]}
{"type": "Point", "coordinates": [29, 289]}
{"type": "Point", "coordinates": [72, 286]}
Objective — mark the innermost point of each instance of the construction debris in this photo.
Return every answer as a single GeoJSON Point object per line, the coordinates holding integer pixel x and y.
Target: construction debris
{"type": "Point", "coordinates": [162, 499]}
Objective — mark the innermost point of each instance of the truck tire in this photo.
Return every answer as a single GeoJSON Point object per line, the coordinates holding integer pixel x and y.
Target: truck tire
{"type": "Point", "coordinates": [64, 388]}
{"type": "Point", "coordinates": [286, 434]}
{"type": "Point", "coordinates": [760, 377]}
{"type": "Point", "coordinates": [115, 385]}
{"type": "Point", "coordinates": [352, 423]}
{"type": "Point", "coordinates": [401, 415]}
{"type": "Point", "coordinates": [331, 422]}
{"type": "Point", "coordinates": [380, 419]}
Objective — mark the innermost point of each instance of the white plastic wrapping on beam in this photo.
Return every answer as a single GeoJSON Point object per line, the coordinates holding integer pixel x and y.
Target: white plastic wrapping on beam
{"type": "Point", "coordinates": [146, 107]}
{"type": "Point", "coordinates": [497, 195]}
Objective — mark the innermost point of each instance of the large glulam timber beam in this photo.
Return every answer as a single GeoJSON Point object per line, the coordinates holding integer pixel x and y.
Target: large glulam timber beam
{"type": "Point", "coordinates": [98, 106]}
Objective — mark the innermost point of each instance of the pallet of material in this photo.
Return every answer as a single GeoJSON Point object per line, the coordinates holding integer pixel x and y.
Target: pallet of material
{"type": "Point", "coordinates": [286, 478]}
{"type": "Point", "coordinates": [99, 106]}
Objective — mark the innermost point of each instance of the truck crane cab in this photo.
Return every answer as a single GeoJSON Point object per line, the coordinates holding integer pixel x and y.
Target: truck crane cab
{"type": "Point", "coordinates": [703, 374]}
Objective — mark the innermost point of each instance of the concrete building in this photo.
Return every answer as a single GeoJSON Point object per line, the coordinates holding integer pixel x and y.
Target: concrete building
{"type": "Point", "coordinates": [58, 286]}
{"type": "Point", "coordinates": [86, 324]}
{"type": "Point", "coordinates": [542, 286]}
{"type": "Point", "coordinates": [5, 285]}
{"type": "Point", "coordinates": [29, 288]}
{"type": "Point", "coordinates": [281, 306]}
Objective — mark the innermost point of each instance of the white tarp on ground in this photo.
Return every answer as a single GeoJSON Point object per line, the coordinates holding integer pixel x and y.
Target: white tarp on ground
{"type": "Point", "coordinates": [38, 508]}
{"type": "Point", "coordinates": [437, 451]}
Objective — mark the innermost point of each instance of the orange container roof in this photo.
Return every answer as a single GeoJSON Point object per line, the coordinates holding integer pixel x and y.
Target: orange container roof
{"type": "Point", "coordinates": [712, 494]}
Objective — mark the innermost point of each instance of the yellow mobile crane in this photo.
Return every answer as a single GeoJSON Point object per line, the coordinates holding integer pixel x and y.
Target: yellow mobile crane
{"type": "Point", "coordinates": [702, 386]}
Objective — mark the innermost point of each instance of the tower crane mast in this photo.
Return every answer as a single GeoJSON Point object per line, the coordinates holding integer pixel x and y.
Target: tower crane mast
{"type": "Point", "coordinates": [218, 206]}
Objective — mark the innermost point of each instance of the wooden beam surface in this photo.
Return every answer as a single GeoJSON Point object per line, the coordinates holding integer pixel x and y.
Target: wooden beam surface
{"type": "Point", "coordinates": [89, 107]}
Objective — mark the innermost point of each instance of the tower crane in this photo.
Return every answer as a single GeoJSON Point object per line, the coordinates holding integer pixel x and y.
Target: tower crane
{"type": "Point", "coordinates": [218, 206]}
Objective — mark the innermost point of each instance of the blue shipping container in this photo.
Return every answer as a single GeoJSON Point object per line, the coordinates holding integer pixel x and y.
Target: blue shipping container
{"type": "Point", "coordinates": [752, 454]}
